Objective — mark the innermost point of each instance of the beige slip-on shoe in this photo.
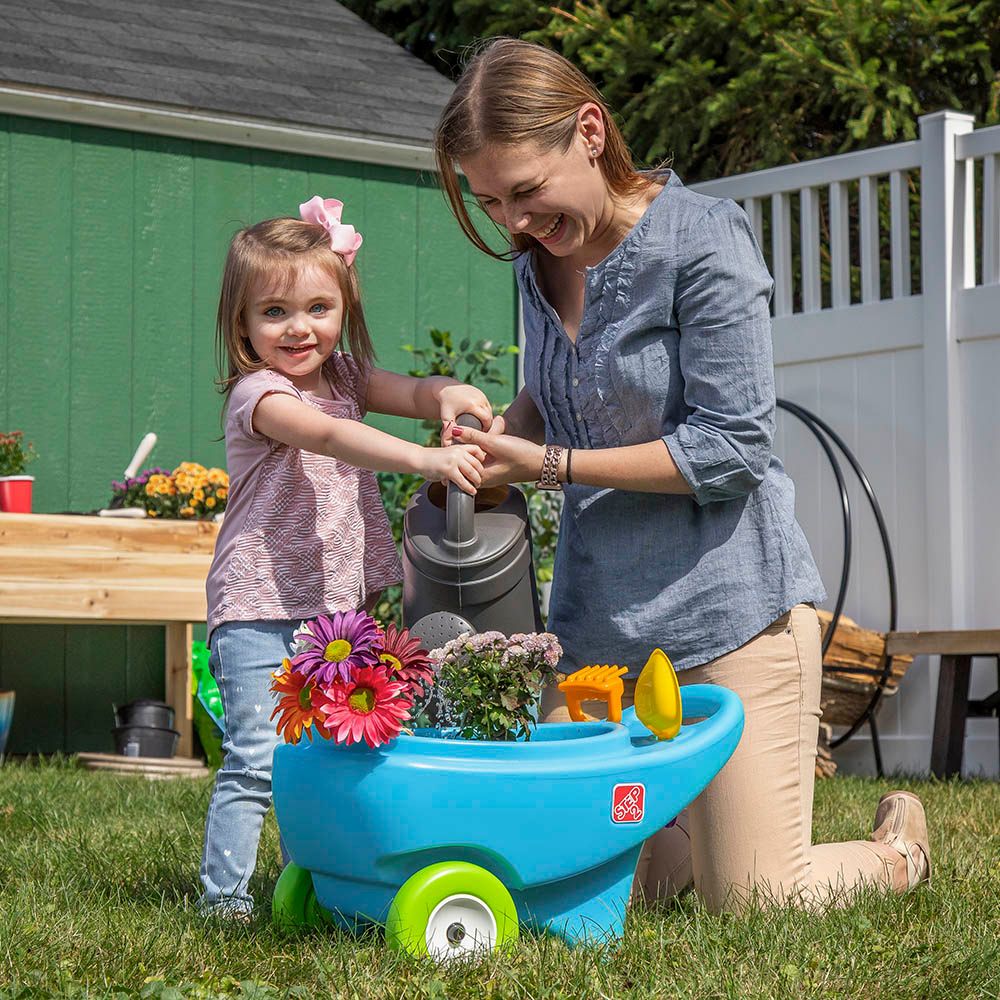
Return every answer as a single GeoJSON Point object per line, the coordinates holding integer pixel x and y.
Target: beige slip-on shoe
{"type": "Point", "coordinates": [900, 823]}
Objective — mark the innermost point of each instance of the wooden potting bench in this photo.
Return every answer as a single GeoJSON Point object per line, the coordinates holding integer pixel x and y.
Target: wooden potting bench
{"type": "Point", "coordinates": [70, 569]}
{"type": "Point", "coordinates": [956, 647]}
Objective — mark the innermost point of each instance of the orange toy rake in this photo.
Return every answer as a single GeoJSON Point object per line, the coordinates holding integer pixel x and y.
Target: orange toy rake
{"type": "Point", "coordinates": [595, 683]}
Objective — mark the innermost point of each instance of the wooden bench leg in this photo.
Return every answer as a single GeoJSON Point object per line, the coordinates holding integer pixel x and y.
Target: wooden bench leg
{"type": "Point", "coordinates": [949, 716]}
{"type": "Point", "coordinates": [179, 683]}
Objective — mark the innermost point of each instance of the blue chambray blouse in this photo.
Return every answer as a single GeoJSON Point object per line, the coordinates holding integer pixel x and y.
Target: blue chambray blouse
{"type": "Point", "coordinates": [674, 343]}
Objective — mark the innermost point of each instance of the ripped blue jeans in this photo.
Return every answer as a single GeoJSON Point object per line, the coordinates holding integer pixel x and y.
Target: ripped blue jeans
{"type": "Point", "coordinates": [243, 657]}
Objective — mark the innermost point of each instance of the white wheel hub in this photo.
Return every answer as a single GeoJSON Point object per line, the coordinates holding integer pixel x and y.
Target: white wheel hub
{"type": "Point", "coordinates": [459, 925]}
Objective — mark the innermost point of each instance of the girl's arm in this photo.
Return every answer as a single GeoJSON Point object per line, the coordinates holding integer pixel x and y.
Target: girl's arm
{"type": "Point", "coordinates": [435, 397]}
{"type": "Point", "coordinates": [284, 418]}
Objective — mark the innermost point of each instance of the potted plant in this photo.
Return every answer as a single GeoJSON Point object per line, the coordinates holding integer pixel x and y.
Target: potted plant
{"type": "Point", "coordinates": [489, 684]}
{"type": "Point", "coordinates": [352, 680]}
{"type": "Point", "coordinates": [15, 486]}
{"type": "Point", "coordinates": [190, 492]}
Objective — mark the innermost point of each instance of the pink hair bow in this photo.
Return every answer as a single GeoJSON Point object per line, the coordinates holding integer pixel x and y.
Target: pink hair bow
{"type": "Point", "coordinates": [325, 212]}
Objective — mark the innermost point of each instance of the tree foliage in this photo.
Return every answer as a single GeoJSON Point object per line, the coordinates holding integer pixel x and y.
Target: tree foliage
{"type": "Point", "coordinates": [726, 86]}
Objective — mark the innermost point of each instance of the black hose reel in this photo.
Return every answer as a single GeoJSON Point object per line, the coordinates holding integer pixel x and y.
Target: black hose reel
{"type": "Point", "coordinates": [825, 435]}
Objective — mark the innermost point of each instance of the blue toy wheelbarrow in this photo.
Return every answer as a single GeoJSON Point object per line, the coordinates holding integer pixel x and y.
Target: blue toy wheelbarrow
{"type": "Point", "coordinates": [454, 845]}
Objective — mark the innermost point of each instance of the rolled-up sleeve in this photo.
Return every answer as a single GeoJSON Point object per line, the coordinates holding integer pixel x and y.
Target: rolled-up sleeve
{"type": "Point", "coordinates": [725, 355]}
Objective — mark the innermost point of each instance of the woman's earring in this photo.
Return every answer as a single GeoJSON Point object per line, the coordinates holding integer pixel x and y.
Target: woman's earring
{"type": "Point", "coordinates": [593, 151]}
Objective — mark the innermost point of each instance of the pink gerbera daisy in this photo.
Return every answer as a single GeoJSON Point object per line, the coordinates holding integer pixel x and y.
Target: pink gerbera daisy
{"type": "Point", "coordinates": [370, 706]}
{"type": "Point", "coordinates": [332, 646]}
{"type": "Point", "coordinates": [407, 660]}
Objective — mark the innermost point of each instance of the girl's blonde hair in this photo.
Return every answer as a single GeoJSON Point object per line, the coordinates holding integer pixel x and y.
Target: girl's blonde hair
{"type": "Point", "coordinates": [513, 93]}
{"type": "Point", "coordinates": [275, 251]}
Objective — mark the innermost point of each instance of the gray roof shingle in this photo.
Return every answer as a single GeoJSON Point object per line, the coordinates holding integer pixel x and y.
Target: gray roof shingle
{"type": "Point", "coordinates": [304, 62]}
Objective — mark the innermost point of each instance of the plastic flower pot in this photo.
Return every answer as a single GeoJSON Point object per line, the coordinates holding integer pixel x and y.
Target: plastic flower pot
{"type": "Point", "coordinates": [145, 712]}
{"type": "Point", "coordinates": [15, 494]}
{"type": "Point", "coordinates": [6, 717]}
{"type": "Point", "coordinates": [145, 741]}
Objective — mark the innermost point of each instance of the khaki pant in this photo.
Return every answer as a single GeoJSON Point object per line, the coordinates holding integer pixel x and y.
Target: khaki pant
{"type": "Point", "coordinates": [749, 834]}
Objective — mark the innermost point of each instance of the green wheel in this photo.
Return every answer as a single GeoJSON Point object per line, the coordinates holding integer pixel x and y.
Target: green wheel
{"type": "Point", "coordinates": [450, 909]}
{"type": "Point", "coordinates": [294, 905]}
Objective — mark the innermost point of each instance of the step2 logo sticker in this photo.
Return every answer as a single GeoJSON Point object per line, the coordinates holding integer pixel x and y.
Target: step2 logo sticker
{"type": "Point", "coordinates": [628, 803]}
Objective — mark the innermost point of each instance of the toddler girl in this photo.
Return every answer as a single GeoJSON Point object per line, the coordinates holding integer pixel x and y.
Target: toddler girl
{"type": "Point", "coordinates": [305, 532]}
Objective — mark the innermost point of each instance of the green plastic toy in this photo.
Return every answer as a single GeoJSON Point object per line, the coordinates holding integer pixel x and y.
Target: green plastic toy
{"type": "Point", "coordinates": [209, 719]}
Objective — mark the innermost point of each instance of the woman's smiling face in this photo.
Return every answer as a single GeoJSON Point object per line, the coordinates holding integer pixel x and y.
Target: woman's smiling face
{"type": "Point", "coordinates": [560, 199]}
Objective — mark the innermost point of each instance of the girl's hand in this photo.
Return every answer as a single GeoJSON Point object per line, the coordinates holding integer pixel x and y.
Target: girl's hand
{"type": "Point", "coordinates": [460, 464]}
{"type": "Point", "coordinates": [454, 400]}
{"type": "Point", "coordinates": [509, 459]}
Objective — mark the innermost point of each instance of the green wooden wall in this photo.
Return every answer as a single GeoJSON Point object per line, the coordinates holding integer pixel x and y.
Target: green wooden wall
{"type": "Point", "coordinates": [111, 249]}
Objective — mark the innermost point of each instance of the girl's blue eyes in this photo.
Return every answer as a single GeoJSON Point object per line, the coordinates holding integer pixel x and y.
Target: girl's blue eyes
{"type": "Point", "coordinates": [274, 311]}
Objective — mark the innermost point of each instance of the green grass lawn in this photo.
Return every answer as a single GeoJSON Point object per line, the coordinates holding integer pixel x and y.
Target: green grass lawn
{"type": "Point", "coordinates": [98, 878]}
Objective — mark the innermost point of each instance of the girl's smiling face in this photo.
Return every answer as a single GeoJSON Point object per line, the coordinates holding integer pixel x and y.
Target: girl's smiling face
{"type": "Point", "coordinates": [560, 199]}
{"type": "Point", "coordinates": [294, 329]}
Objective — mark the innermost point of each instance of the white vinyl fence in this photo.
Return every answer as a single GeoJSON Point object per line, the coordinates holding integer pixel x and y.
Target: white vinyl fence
{"type": "Point", "coordinates": [891, 334]}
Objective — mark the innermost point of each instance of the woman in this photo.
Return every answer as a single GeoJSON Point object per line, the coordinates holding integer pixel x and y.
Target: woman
{"type": "Point", "coordinates": [649, 396]}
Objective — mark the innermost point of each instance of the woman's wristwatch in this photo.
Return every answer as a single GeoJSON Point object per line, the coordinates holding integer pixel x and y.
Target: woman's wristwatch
{"type": "Point", "coordinates": [549, 477]}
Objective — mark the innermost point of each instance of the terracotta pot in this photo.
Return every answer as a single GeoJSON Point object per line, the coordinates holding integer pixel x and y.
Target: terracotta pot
{"type": "Point", "coordinates": [15, 494]}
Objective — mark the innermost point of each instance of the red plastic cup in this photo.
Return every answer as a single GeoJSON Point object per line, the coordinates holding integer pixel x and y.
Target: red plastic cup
{"type": "Point", "coordinates": [15, 494]}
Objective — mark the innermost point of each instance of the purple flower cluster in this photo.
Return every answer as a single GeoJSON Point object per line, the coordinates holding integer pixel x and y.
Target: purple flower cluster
{"type": "Point", "coordinates": [489, 684]}
{"type": "Point", "coordinates": [134, 485]}
{"type": "Point", "coordinates": [540, 649]}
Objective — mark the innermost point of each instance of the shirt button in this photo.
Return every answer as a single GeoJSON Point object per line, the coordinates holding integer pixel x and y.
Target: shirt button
{"type": "Point", "coordinates": [579, 416]}
{"type": "Point", "coordinates": [576, 382]}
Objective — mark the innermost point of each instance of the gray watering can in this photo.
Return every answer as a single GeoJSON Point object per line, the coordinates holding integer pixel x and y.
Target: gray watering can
{"type": "Point", "coordinates": [467, 563]}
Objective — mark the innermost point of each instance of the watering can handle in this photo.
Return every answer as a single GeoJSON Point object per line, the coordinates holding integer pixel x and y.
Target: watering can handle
{"type": "Point", "coordinates": [460, 507]}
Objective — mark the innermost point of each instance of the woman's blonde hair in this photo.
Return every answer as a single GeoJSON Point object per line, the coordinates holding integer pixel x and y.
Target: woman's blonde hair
{"type": "Point", "coordinates": [275, 251]}
{"type": "Point", "coordinates": [512, 93]}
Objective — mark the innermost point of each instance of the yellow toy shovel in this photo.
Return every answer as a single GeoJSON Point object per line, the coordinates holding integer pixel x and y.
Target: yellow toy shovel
{"type": "Point", "coordinates": [658, 697]}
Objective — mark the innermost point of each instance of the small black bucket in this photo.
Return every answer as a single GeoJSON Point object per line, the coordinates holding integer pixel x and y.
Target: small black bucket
{"type": "Point", "coordinates": [145, 712]}
{"type": "Point", "coordinates": [145, 741]}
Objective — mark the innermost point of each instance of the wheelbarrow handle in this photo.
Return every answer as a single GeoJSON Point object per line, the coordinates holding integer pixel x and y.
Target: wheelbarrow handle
{"type": "Point", "coordinates": [460, 507]}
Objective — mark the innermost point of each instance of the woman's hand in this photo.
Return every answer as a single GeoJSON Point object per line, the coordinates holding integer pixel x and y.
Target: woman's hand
{"type": "Point", "coordinates": [509, 459]}
{"type": "Point", "coordinates": [644, 468]}
{"type": "Point", "coordinates": [454, 400]}
{"type": "Point", "coordinates": [461, 464]}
